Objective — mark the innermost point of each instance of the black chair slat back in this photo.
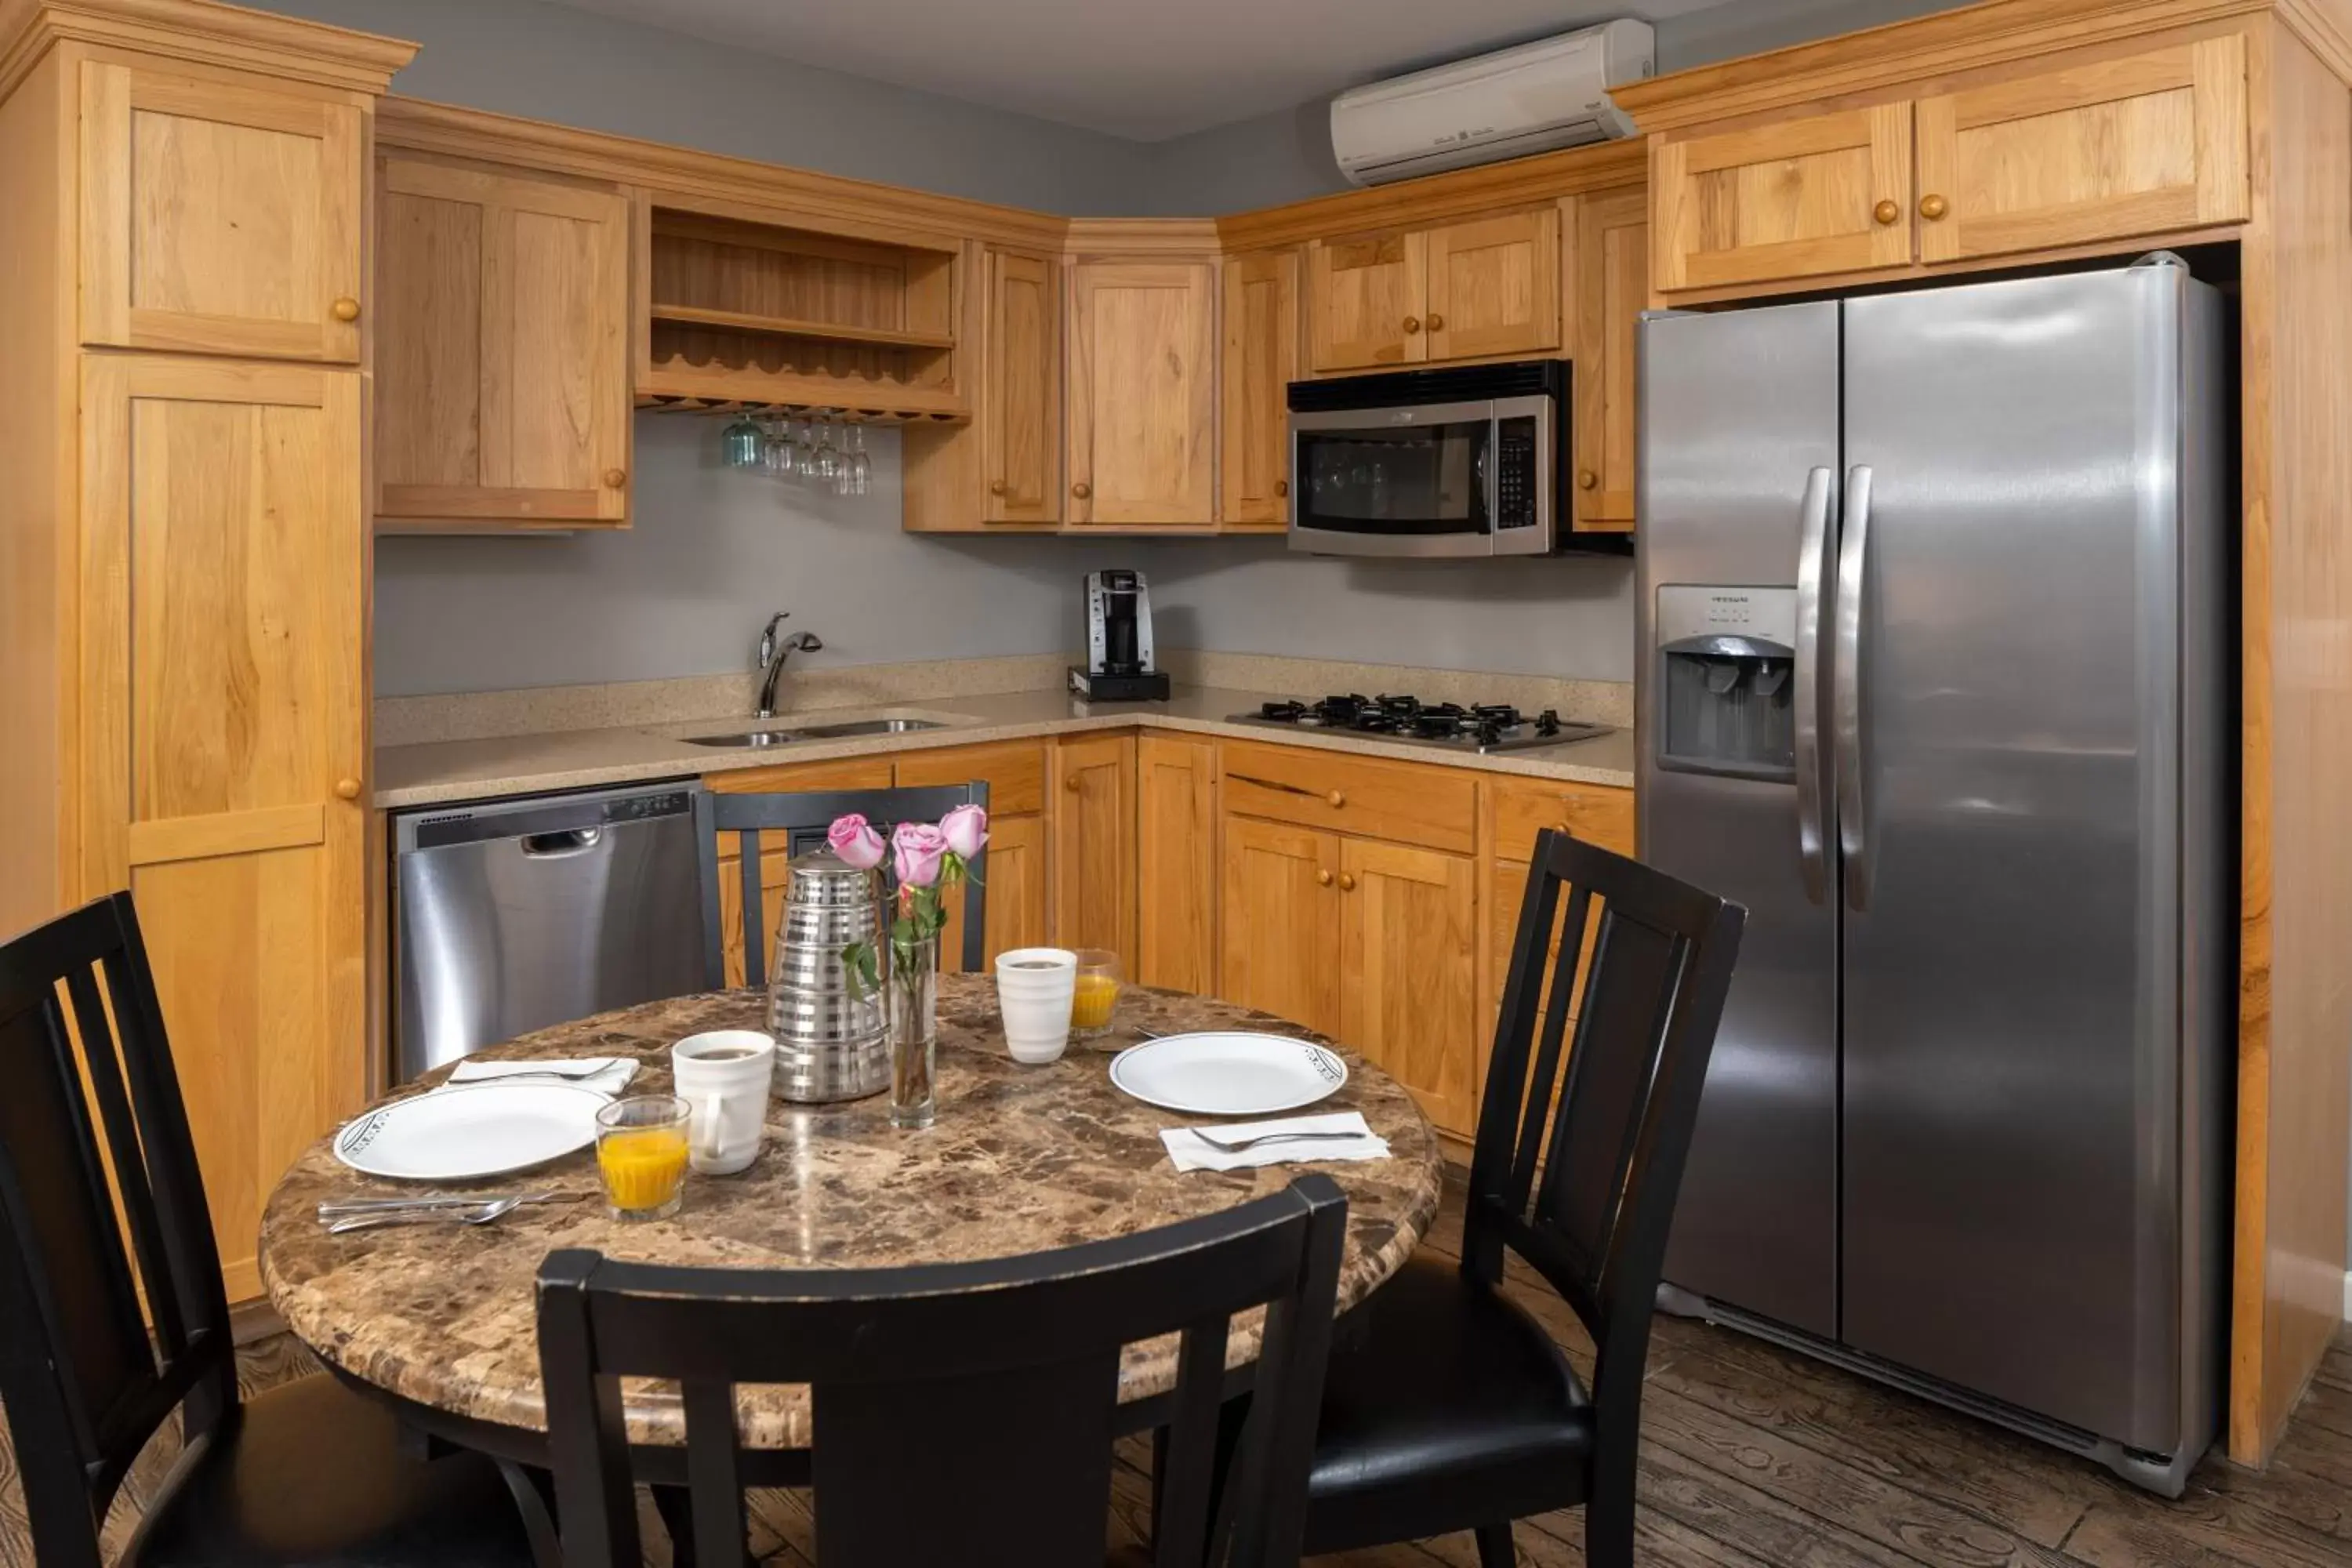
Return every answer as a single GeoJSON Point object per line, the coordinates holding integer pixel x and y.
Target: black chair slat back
{"type": "Point", "coordinates": [962, 1411]}
{"type": "Point", "coordinates": [103, 1227]}
{"type": "Point", "coordinates": [803, 817]}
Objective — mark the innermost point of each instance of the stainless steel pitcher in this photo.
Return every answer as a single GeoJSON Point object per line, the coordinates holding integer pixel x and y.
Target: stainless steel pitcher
{"type": "Point", "coordinates": [832, 1034]}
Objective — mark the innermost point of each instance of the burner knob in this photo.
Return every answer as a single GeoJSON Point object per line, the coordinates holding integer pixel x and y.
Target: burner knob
{"type": "Point", "coordinates": [1548, 722]}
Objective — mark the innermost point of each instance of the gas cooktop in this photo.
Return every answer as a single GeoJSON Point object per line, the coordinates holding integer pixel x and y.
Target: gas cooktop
{"type": "Point", "coordinates": [1480, 727]}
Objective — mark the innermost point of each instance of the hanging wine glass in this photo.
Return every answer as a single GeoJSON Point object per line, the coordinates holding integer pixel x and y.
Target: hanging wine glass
{"type": "Point", "coordinates": [804, 447]}
{"type": "Point", "coordinates": [740, 442]}
{"type": "Point", "coordinates": [861, 467]}
{"type": "Point", "coordinates": [828, 461]}
{"type": "Point", "coordinates": [776, 450]}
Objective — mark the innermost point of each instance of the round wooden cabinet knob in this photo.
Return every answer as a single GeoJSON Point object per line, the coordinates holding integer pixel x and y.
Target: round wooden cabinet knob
{"type": "Point", "coordinates": [996, 486]}
{"type": "Point", "coordinates": [1932, 207]}
{"type": "Point", "coordinates": [1082, 490]}
{"type": "Point", "coordinates": [1322, 878]}
{"type": "Point", "coordinates": [1886, 211]}
{"type": "Point", "coordinates": [615, 478]}
{"type": "Point", "coordinates": [1072, 783]}
{"type": "Point", "coordinates": [345, 309]}
{"type": "Point", "coordinates": [1282, 487]}
{"type": "Point", "coordinates": [1436, 323]}
{"type": "Point", "coordinates": [1337, 799]}
{"type": "Point", "coordinates": [1586, 478]}
{"type": "Point", "coordinates": [1412, 325]}
{"type": "Point", "coordinates": [347, 789]}
{"type": "Point", "coordinates": [1347, 883]}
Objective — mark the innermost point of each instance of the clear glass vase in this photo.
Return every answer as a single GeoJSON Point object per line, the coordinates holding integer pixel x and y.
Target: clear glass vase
{"type": "Point", "coordinates": [914, 989]}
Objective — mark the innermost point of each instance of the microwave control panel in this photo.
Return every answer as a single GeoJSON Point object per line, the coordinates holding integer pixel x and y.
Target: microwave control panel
{"type": "Point", "coordinates": [1514, 472]}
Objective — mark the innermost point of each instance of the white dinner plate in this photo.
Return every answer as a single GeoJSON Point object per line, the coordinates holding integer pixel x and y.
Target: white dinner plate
{"type": "Point", "coordinates": [458, 1134]}
{"type": "Point", "coordinates": [1227, 1072]}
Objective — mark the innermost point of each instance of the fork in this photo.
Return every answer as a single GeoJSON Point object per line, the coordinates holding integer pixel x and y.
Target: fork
{"type": "Point", "coordinates": [351, 1206]}
{"type": "Point", "coordinates": [567, 1073]}
{"type": "Point", "coordinates": [497, 1209]}
{"type": "Point", "coordinates": [1235, 1145]}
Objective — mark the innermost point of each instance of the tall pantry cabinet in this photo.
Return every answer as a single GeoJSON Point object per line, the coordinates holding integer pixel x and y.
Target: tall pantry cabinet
{"type": "Point", "coordinates": [184, 545]}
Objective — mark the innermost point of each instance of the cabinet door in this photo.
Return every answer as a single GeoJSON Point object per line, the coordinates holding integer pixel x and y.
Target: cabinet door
{"type": "Point", "coordinates": [1612, 258]}
{"type": "Point", "coordinates": [775, 854]}
{"type": "Point", "coordinates": [1142, 436]}
{"type": "Point", "coordinates": [226, 752]}
{"type": "Point", "coordinates": [502, 378]}
{"type": "Point", "coordinates": [1280, 898]}
{"type": "Point", "coordinates": [1016, 886]}
{"type": "Point", "coordinates": [1014, 772]}
{"type": "Point", "coordinates": [218, 218]}
{"type": "Point", "coordinates": [1364, 299]}
{"type": "Point", "coordinates": [1176, 863]}
{"type": "Point", "coordinates": [1831, 193]}
{"type": "Point", "coordinates": [1094, 845]}
{"type": "Point", "coordinates": [1023, 412]}
{"type": "Point", "coordinates": [1261, 361]}
{"type": "Point", "coordinates": [2103, 150]}
{"type": "Point", "coordinates": [1494, 286]}
{"type": "Point", "coordinates": [1408, 972]}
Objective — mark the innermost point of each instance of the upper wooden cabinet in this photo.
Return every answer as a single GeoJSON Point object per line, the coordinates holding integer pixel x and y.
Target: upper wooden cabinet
{"type": "Point", "coordinates": [1828, 193]}
{"type": "Point", "coordinates": [1494, 286]}
{"type": "Point", "coordinates": [1260, 361]}
{"type": "Point", "coordinates": [1142, 389]}
{"type": "Point", "coordinates": [1612, 288]}
{"type": "Point", "coordinates": [502, 361]}
{"type": "Point", "coordinates": [219, 218]}
{"type": "Point", "coordinates": [1021, 414]}
{"type": "Point", "coordinates": [1473, 289]}
{"type": "Point", "coordinates": [2104, 150]}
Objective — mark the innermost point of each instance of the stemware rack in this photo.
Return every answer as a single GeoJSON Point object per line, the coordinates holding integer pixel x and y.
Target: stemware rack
{"type": "Point", "coordinates": [741, 316]}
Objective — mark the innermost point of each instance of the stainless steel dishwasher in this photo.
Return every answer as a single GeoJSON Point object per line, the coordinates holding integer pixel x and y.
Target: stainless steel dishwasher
{"type": "Point", "coordinates": [512, 915]}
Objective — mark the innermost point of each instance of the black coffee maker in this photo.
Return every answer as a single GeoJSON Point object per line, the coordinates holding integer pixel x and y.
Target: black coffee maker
{"type": "Point", "coordinates": [1118, 667]}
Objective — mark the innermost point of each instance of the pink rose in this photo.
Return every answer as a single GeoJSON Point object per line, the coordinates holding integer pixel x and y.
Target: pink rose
{"type": "Point", "coordinates": [853, 839]}
{"type": "Point", "coordinates": [966, 829]}
{"type": "Point", "coordinates": [919, 848]}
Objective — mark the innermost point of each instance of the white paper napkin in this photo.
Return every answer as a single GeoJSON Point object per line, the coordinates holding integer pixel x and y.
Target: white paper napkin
{"type": "Point", "coordinates": [612, 1074]}
{"type": "Point", "coordinates": [1191, 1152]}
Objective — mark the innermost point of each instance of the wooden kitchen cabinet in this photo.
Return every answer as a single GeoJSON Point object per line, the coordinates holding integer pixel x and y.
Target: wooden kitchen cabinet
{"type": "Point", "coordinates": [1260, 361]}
{"type": "Point", "coordinates": [1364, 301]}
{"type": "Point", "coordinates": [222, 771]}
{"type": "Point", "coordinates": [1015, 867]}
{"type": "Point", "coordinates": [1797, 198]}
{"type": "Point", "coordinates": [219, 217]}
{"type": "Point", "coordinates": [1279, 898]}
{"type": "Point", "coordinates": [1176, 862]}
{"type": "Point", "coordinates": [1612, 288]}
{"type": "Point", "coordinates": [1493, 287]}
{"type": "Point", "coordinates": [1022, 408]}
{"type": "Point", "coordinates": [1093, 844]}
{"type": "Point", "coordinates": [2102, 150]}
{"type": "Point", "coordinates": [1408, 972]}
{"type": "Point", "coordinates": [1142, 388]}
{"type": "Point", "coordinates": [502, 356]}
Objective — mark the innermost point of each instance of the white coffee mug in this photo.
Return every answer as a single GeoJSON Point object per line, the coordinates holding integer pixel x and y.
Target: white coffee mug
{"type": "Point", "coordinates": [1034, 986]}
{"type": "Point", "coordinates": [723, 1077]}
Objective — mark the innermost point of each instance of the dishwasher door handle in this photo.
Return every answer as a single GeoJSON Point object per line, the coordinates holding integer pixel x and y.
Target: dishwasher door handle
{"type": "Point", "coordinates": [562, 845]}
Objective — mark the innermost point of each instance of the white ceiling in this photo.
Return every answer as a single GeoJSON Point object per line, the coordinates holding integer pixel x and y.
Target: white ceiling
{"type": "Point", "coordinates": [1147, 69]}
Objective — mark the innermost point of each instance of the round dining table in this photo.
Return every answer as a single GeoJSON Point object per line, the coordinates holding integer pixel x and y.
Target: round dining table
{"type": "Point", "coordinates": [438, 1319]}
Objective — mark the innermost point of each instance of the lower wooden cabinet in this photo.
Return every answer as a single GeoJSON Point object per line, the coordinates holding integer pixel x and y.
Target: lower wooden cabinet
{"type": "Point", "coordinates": [1176, 859]}
{"type": "Point", "coordinates": [1408, 972]}
{"type": "Point", "coordinates": [1093, 844]}
{"type": "Point", "coordinates": [1279, 894]}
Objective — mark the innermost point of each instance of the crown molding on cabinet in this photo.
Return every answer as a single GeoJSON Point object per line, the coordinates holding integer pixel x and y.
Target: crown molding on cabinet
{"type": "Point", "coordinates": [1997, 32]}
{"type": "Point", "coordinates": [199, 30]}
{"type": "Point", "coordinates": [1155, 236]}
{"type": "Point", "coordinates": [1436, 198]}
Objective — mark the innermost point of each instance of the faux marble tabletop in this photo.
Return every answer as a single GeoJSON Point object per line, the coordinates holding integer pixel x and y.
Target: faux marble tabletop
{"type": "Point", "coordinates": [1022, 1159]}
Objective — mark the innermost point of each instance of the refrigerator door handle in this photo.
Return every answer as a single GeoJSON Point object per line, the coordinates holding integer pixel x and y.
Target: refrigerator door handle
{"type": "Point", "coordinates": [1853, 804]}
{"type": "Point", "coordinates": [1812, 831]}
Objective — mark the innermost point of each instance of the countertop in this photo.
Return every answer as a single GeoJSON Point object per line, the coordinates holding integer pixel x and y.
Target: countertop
{"type": "Point", "coordinates": [433, 773]}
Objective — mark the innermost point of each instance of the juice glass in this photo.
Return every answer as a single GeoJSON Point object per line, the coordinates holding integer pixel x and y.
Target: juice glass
{"type": "Point", "coordinates": [1095, 992]}
{"type": "Point", "coordinates": [641, 1151]}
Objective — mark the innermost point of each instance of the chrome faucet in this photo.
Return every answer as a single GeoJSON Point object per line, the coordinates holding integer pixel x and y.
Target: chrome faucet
{"type": "Point", "coordinates": [772, 655]}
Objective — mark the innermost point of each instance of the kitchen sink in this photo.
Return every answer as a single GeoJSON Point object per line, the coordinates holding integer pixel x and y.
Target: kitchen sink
{"type": "Point", "coordinates": [868, 727]}
{"type": "Point", "coordinates": [753, 738]}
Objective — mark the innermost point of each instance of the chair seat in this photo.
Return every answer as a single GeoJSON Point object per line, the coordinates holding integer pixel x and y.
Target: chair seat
{"type": "Point", "coordinates": [313, 1474]}
{"type": "Point", "coordinates": [1445, 1407]}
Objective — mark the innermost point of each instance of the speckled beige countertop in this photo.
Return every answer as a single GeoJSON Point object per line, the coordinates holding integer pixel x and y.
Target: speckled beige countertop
{"type": "Point", "coordinates": [430, 773]}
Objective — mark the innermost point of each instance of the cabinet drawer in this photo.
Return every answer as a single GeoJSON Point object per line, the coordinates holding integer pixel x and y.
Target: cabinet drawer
{"type": "Point", "coordinates": [1434, 808]}
{"type": "Point", "coordinates": [1524, 807]}
{"type": "Point", "coordinates": [841, 773]}
{"type": "Point", "coordinates": [1015, 772]}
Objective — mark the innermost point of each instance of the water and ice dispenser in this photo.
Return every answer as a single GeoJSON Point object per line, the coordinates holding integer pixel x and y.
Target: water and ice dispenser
{"type": "Point", "coordinates": [1727, 680]}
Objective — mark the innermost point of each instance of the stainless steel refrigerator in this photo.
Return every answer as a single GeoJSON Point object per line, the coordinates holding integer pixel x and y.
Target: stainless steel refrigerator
{"type": "Point", "coordinates": [1936, 676]}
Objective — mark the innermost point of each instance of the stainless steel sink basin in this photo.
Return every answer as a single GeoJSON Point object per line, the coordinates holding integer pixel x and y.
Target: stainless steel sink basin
{"type": "Point", "coordinates": [753, 738]}
{"type": "Point", "coordinates": [868, 727]}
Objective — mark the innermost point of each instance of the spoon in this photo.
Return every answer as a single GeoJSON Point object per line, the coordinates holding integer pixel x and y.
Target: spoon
{"type": "Point", "coordinates": [497, 1209]}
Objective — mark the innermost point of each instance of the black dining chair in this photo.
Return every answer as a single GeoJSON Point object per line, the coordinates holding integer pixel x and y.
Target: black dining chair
{"type": "Point", "coordinates": [1447, 1407]}
{"type": "Point", "coordinates": [103, 1209]}
{"type": "Point", "coordinates": [803, 817]}
{"type": "Point", "coordinates": [962, 1412]}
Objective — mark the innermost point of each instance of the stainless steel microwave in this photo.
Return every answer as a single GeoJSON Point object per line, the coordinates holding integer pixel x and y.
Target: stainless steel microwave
{"type": "Point", "coordinates": [1469, 461]}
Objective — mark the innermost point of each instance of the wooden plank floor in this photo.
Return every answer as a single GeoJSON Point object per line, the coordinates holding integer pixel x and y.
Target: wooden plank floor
{"type": "Point", "coordinates": [1752, 1455]}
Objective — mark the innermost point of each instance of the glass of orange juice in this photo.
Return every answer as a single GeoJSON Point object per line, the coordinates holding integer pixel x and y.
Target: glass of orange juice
{"type": "Point", "coordinates": [641, 1151]}
{"type": "Point", "coordinates": [1095, 992]}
